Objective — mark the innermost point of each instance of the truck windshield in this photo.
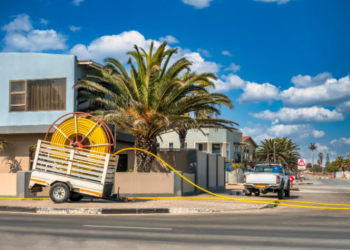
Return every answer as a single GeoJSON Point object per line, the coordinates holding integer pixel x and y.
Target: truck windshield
{"type": "Point", "coordinates": [268, 169]}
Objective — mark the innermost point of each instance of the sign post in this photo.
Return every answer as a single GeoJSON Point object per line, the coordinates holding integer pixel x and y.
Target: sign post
{"type": "Point", "coordinates": [301, 164]}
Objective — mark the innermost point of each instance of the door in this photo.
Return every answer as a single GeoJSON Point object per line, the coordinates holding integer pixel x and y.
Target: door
{"type": "Point", "coordinates": [122, 163]}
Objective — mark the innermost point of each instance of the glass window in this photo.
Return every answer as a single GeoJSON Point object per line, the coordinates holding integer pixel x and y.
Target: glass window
{"type": "Point", "coordinates": [171, 145]}
{"type": "Point", "coordinates": [38, 95]}
{"type": "Point", "coordinates": [200, 147]}
{"type": "Point", "coordinates": [216, 149]}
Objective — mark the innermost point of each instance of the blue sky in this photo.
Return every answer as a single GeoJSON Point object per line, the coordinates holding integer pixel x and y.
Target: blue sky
{"type": "Point", "coordinates": [284, 63]}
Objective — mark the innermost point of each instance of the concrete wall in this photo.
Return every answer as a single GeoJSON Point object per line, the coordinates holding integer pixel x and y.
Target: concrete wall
{"type": "Point", "coordinates": [221, 172]}
{"type": "Point", "coordinates": [176, 159]}
{"type": "Point", "coordinates": [202, 171]}
{"type": "Point", "coordinates": [26, 66]}
{"type": "Point", "coordinates": [8, 184]}
{"type": "Point", "coordinates": [212, 172]}
{"type": "Point", "coordinates": [188, 188]}
{"type": "Point", "coordinates": [17, 154]}
{"type": "Point", "coordinates": [145, 184]}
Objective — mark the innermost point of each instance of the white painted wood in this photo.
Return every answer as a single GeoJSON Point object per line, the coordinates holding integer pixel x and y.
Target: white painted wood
{"type": "Point", "coordinates": [70, 161]}
{"type": "Point", "coordinates": [38, 145]}
{"type": "Point", "coordinates": [105, 169]}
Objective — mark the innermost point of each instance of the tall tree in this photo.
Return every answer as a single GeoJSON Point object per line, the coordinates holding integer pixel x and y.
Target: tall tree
{"type": "Point", "coordinates": [151, 100]}
{"type": "Point", "coordinates": [312, 147]}
{"type": "Point", "coordinates": [285, 150]}
{"type": "Point", "coordinates": [339, 162]}
{"type": "Point", "coordinates": [320, 159]}
{"type": "Point", "coordinates": [327, 160]}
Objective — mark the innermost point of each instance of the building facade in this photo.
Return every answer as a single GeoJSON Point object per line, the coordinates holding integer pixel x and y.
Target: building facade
{"type": "Point", "coordinates": [36, 89]}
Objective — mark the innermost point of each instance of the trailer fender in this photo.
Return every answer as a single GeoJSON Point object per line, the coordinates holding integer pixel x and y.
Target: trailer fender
{"type": "Point", "coordinates": [70, 186]}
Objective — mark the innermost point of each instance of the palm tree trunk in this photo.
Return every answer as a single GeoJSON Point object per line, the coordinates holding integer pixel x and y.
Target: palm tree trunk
{"type": "Point", "coordinates": [312, 158]}
{"type": "Point", "coordinates": [144, 160]}
{"type": "Point", "coordinates": [182, 137]}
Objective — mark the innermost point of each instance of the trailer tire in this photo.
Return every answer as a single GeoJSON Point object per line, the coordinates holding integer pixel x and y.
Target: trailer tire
{"type": "Point", "coordinates": [280, 193]}
{"type": "Point", "coordinates": [74, 196]}
{"type": "Point", "coordinates": [59, 192]}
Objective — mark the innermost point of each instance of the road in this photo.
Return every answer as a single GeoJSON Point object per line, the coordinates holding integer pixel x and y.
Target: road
{"type": "Point", "coordinates": [279, 228]}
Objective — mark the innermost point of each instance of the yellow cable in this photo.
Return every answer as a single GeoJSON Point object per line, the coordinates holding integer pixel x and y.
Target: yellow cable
{"type": "Point", "coordinates": [225, 197]}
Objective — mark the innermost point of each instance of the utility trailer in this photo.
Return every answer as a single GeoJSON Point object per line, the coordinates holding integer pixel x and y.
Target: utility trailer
{"type": "Point", "coordinates": [72, 173]}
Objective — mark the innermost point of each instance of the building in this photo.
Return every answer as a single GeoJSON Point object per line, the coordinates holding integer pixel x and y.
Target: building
{"type": "Point", "coordinates": [249, 151]}
{"type": "Point", "coordinates": [36, 89]}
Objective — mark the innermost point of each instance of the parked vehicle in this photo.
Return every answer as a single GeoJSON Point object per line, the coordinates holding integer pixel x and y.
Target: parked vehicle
{"type": "Point", "coordinates": [267, 177]}
{"type": "Point", "coordinates": [72, 173]}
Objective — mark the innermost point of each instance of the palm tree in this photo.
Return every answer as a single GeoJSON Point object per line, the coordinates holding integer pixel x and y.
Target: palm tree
{"type": "Point", "coordinates": [320, 159]}
{"type": "Point", "coordinates": [149, 102]}
{"type": "Point", "coordinates": [312, 147]}
{"type": "Point", "coordinates": [339, 162]}
{"type": "Point", "coordinates": [3, 143]}
{"type": "Point", "coordinates": [285, 151]}
{"type": "Point", "coordinates": [205, 118]}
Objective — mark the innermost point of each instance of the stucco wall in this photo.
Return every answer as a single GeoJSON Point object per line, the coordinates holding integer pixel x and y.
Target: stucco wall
{"type": "Point", "coordinates": [17, 154]}
{"type": "Point", "coordinates": [187, 187]}
{"type": "Point", "coordinates": [26, 66]}
{"type": "Point", "coordinates": [8, 184]}
{"type": "Point", "coordinates": [221, 171]}
{"type": "Point", "coordinates": [144, 183]}
{"type": "Point", "coordinates": [202, 170]}
{"type": "Point", "coordinates": [212, 171]}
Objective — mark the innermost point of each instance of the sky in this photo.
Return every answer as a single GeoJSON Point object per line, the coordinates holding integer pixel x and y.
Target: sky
{"type": "Point", "coordinates": [284, 63]}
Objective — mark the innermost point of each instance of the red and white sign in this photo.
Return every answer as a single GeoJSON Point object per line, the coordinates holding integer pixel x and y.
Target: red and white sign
{"type": "Point", "coordinates": [301, 164]}
{"type": "Point", "coordinates": [302, 175]}
{"type": "Point", "coordinates": [292, 179]}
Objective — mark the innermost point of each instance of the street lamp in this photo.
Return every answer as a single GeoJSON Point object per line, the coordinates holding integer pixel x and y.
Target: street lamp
{"type": "Point", "coordinates": [274, 152]}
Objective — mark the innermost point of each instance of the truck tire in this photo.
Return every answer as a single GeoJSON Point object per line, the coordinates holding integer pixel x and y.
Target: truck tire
{"type": "Point", "coordinates": [287, 191]}
{"type": "Point", "coordinates": [257, 192]}
{"type": "Point", "coordinates": [280, 193]}
{"type": "Point", "coordinates": [74, 196]}
{"type": "Point", "coordinates": [248, 192]}
{"type": "Point", "coordinates": [59, 193]}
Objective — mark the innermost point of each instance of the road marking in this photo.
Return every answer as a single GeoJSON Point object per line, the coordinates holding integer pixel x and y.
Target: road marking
{"type": "Point", "coordinates": [122, 227]}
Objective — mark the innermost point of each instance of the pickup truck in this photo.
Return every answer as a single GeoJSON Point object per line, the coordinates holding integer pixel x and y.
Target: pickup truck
{"type": "Point", "coordinates": [267, 177]}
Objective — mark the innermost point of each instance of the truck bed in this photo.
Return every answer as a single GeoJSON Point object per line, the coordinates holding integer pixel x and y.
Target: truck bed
{"type": "Point", "coordinates": [261, 178]}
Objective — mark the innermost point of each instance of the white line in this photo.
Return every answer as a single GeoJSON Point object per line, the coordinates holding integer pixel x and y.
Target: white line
{"type": "Point", "coordinates": [143, 228]}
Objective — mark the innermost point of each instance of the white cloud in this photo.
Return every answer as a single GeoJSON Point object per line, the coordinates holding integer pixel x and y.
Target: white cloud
{"type": "Point", "coordinates": [343, 108]}
{"type": "Point", "coordinates": [117, 45]}
{"type": "Point", "coordinates": [341, 141]}
{"type": "Point", "coordinates": [233, 67]}
{"type": "Point", "coordinates": [21, 36]}
{"type": "Point", "coordinates": [332, 92]}
{"type": "Point", "coordinates": [274, 1]}
{"type": "Point", "coordinates": [44, 21]}
{"type": "Point", "coordinates": [255, 93]}
{"type": "Point", "coordinates": [199, 4]}
{"type": "Point", "coordinates": [74, 28]}
{"type": "Point", "coordinates": [318, 134]}
{"type": "Point", "coordinates": [226, 53]}
{"type": "Point", "coordinates": [231, 81]}
{"type": "Point", "coordinates": [204, 52]}
{"type": "Point", "coordinates": [333, 152]}
{"type": "Point", "coordinates": [308, 81]}
{"type": "Point", "coordinates": [77, 2]}
{"type": "Point", "coordinates": [169, 39]}
{"type": "Point", "coordinates": [322, 148]}
{"type": "Point", "coordinates": [301, 115]}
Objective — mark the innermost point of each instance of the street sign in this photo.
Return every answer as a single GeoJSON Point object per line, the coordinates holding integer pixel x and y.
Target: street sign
{"type": "Point", "coordinates": [292, 179]}
{"type": "Point", "coordinates": [301, 164]}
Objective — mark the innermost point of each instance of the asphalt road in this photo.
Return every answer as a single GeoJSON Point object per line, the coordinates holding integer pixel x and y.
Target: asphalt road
{"type": "Point", "coordinates": [279, 228]}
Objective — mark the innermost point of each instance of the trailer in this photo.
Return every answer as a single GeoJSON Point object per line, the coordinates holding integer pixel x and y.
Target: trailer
{"type": "Point", "coordinates": [72, 172]}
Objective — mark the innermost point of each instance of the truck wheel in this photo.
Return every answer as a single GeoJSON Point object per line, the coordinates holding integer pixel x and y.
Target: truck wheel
{"type": "Point", "coordinates": [248, 192]}
{"type": "Point", "coordinates": [74, 196]}
{"type": "Point", "coordinates": [280, 194]}
{"type": "Point", "coordinates": [257, 193]}
{"type": "Point", "coordinates": [287, 191]}
{"type": "Point", "coordinates": [59, 193]}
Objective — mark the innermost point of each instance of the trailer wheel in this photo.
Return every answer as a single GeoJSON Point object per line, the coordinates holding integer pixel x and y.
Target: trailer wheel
{"type": "Point", "coordinates": [74, 196]}
{"type": "Point", "coordinates": [59, 193]}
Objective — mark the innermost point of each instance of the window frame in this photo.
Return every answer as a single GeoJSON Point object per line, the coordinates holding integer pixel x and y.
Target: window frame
{"type": "Point", "coordinates": [25, 95]}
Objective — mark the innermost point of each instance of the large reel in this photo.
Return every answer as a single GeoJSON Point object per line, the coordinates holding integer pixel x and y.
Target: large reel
{"type": "Point", "coordinates": [82, 131]}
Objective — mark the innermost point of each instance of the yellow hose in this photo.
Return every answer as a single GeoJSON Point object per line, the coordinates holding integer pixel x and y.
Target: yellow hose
{"type": "Point", "coordinates": [229, 198]}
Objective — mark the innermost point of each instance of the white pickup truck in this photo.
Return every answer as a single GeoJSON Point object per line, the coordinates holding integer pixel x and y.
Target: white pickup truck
{"type": "Point", "coordinates": [267, 177]}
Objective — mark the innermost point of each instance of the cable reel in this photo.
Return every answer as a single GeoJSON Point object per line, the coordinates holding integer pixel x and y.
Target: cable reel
{"type": "Point", "coordinates": [82, 131]}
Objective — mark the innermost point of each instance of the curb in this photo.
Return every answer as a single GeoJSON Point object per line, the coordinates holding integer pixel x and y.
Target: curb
{"type": "Point", "coordinates": [270, 205]}
{"type": "Point", "coordinates": [52, 210]}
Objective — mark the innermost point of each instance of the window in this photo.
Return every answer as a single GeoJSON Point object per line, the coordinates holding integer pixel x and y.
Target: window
{"type": "Point", "coordinates": [200, 147]}
{"type": "Point", "coordinates": [171, 145]}
{"type": "Point", "coordinates": [216, 149]}
{"type": "Point", "coordinates": [185, 144]}
{"type": "Point", "coordinates": [38, 95]}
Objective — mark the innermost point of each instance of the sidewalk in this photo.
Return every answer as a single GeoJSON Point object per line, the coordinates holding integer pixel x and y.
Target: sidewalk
{"type": "Point", "coordinates": [97, 205]}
